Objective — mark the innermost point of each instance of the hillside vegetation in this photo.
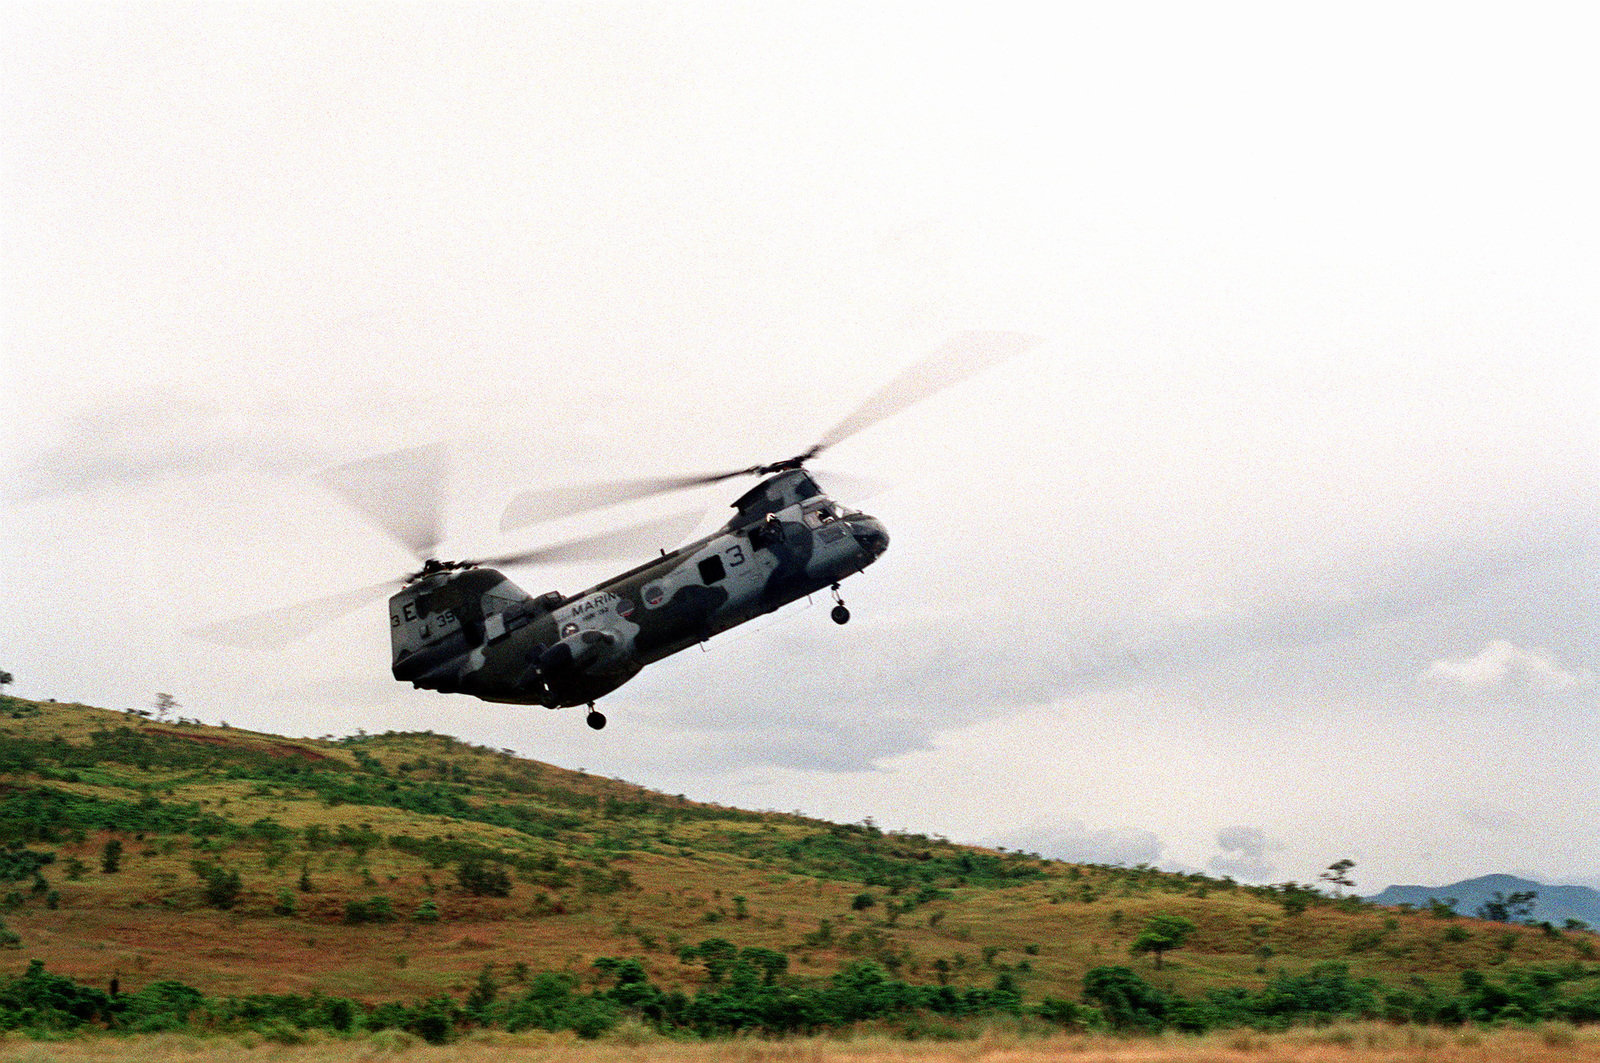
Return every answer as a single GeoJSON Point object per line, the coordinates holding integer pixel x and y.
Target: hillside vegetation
{"type": "Point", "coordinates": [402, 869]}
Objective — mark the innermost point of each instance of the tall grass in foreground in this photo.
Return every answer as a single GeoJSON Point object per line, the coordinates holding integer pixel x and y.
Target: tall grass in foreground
{"type": "Point", "coordinates": [1353, 1043]}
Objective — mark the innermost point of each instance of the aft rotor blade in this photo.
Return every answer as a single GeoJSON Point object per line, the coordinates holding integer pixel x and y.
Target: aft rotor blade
{"type": "Point", "coordinates": [531, 507]}
{"type": "Point", "coordinates": [290, 623]}
{"type": "Point", "coordinates": [400, 492]}
{"type": "Point", "coordinates": [961, 357]}
{"type": "Point", "coordinates": [621, 542]}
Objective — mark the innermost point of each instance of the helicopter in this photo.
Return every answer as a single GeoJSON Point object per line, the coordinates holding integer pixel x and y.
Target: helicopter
{"type": "Point", "coordinates": [462, 627]}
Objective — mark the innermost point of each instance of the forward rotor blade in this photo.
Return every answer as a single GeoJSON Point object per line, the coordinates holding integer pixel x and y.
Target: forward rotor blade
{"type": "Point", "coordinates": [847, 488]}
{"type": "Point", "coordinates": [959, 358]}
{"type": "Point", "coordinates": [290, 623]}
{"type": "Point", "coordinates": [621, 542]}
{"type": "Point", "coordinates": [531, 507]}
{"type": "Point", "coordinates": [400, 492]}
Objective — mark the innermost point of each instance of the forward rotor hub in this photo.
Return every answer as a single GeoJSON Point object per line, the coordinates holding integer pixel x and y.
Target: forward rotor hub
{"type": "Point", "coordinates": [433, 566]}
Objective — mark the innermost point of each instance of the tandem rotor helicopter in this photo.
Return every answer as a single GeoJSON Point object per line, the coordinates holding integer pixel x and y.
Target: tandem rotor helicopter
{"type": "Point", "coordinates": [461, 627]}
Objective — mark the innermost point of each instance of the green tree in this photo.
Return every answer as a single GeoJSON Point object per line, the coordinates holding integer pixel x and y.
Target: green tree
{"type": "Point", "coordinates": [1516, 907]}
{"type": "Point", "coordinates": [718, 955]}
{"type": "Point", "coordinates": [482, 879]}
{"type": "Point", "coordinates": [1295, 898]}
{"type": "Point", "coordinates": [770, 963]}
{"type": "Point", "coordinates": [379, 909]}
{"type": "Point", "coordinates": [1338, 876]}
{"type": "Point", "coordinates": [220, 885]}
{"type": "Point", "coordinates": [111, 857]}
{"type": "Point", "coordinates": [483, 994]}
{"type": "Point", "coordinates": [1126, 1000]}
{"type": "Point", "coordinates": [1161, 934]}
{"type": "Point", "coordinates": [164, 704]}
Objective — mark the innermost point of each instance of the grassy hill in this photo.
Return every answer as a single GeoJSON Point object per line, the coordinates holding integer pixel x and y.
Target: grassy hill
{"type": "Point", "coordinates": [402, 866]}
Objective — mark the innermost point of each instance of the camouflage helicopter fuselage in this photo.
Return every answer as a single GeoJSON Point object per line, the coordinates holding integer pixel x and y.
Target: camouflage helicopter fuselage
{"type": "Point", "coordinates": [472, 631]}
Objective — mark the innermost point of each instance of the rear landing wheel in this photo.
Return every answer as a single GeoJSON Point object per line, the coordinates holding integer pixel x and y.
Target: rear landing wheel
{"type": "Point", "coordinates": [595, 719]}
{"type": "Point", "coordinates": [840, 614]}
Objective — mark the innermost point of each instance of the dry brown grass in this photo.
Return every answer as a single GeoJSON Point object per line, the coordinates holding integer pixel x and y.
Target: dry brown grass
{"type": "Point", "coordinates": [688, 882]}
{"type": "Point", "coordinates": [1359, 1043]}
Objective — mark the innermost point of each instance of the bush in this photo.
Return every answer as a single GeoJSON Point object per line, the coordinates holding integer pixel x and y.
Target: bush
{"type": "Point", "coordinates": [159, 1007]}
{"type": "Point", "coordinates": [549, 1004]}
{"type": "Point", "coordinates": [220, 886]}
{"type": "Point", "coordinates": [372, 910]}
{"type": "Point", "coordinates": [17, 863]}
{"type": "Point", "coordinates": [1066, 1013]}
{"type": "Point", "coordinates": [482, 879]}
{"type": "Point", "coordinates": [1163, 933]}
{"type": "Point", "coordinates": [1126, 1001]}
{"type": "Point", "coordinates": [38, 1000]}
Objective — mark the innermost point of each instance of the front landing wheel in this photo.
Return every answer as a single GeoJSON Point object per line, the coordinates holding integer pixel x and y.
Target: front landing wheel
{"type": "Point", "coordinates": [595, 719]}
{"type": "Point", "coordinates": [840, 614]}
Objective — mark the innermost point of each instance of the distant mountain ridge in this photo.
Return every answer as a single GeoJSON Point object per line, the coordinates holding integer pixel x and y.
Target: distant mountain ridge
{"type": "Point", "coordinates": [1555, 904]}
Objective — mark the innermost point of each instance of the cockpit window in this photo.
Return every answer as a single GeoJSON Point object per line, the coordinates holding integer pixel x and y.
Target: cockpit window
{"type": "Point", "coordinates": [818, 515]}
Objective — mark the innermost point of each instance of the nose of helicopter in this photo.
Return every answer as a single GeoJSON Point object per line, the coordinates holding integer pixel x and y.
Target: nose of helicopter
{"type": "Point", "coordinates": [870, 533]}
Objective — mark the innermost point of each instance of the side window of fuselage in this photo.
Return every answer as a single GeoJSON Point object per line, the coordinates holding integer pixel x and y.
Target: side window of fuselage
{"type": "Point", "coordinates": [712, 570]}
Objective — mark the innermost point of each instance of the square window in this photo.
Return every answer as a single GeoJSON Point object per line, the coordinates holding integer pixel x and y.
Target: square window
{"type": "Point", "coordinates": [711, 570]}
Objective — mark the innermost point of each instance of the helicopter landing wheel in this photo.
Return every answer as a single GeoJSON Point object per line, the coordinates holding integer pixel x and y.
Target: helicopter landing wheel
{"type": "Point", "coordinates": [840, 614]}
{"type": "Point", "coordinates": [595, 719]}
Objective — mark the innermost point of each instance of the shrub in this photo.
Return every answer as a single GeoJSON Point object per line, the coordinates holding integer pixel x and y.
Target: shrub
{"type": "Point", "coordinates": [1127, 1001]}
{"type": "Point", "coordinates": [220, 885]}
{"type": "Point", "coordinates": [482, 879]}
{"type": "Point", "coordinates": [549, 1004]}
{"type": "Point", "coordinates": [1066, 1013]}
{"type": "Point", "coordinates": [1163, 933]}
{"type": "Point", "coordinates": [372, 910]}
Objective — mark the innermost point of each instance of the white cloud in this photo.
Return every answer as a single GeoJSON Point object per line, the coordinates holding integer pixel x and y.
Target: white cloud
{"type": "Point", "coordinates": [1072, 840]}
{"type": "Point", "coordinates": [1504, 665]}
{"type": "Point", "coordinates": [1244, 854]}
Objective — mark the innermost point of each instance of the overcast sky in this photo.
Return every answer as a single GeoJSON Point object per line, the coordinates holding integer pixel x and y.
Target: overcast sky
{"type": "Point", "coordinates": [1280, 549]}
